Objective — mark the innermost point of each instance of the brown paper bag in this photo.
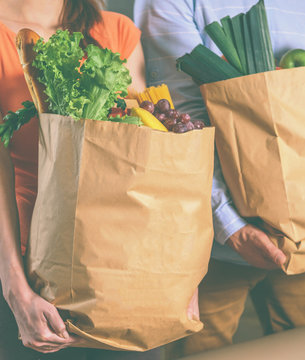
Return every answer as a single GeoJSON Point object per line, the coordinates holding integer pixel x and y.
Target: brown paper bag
{"type": "Point", "coordinates": [260, 138]}
{"type": "Point", "coordinates": [122, 229]}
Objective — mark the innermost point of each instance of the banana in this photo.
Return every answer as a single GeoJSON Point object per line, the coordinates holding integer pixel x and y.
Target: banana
{"type": "Point", "coordinates": [148, 119]}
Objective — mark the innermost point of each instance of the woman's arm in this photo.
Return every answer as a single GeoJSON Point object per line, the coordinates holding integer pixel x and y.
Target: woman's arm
{"type": "Point", "coordinates": [11, 267]}
{"type": "Point", "coordinates": [135, 64]}
{"type": "Point", "coordinates": [39, 323]}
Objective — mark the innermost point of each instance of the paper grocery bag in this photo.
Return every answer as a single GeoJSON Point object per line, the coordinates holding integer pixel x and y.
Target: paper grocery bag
{"type": "Point", "coordinates": [122, 229]}
{"type": "Point", "coordinates": [260, 138]}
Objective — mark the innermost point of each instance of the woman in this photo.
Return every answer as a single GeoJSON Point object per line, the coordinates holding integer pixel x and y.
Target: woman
{"type": "Point", "coordinates": [40, 326]}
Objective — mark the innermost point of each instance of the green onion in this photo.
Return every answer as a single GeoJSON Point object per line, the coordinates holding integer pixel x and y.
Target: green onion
{"type": "Point", "coordinates": [225, 44]}
{"type": "Point", "coordinates": [205, 66]}
{"type": "Point", "coordinates": [188, 65]}
{"type": "Point", "coordinates": [260, 36]}
{"type": "Point", "coordinates": [238, 31]}
{"type": "Point", "coordinates": [266, 35]}
{"type": "Point", "coordinates": [227, 28]}
{"type": "Point", "coordinates": [245, 42]}
{"type": "Point", "coordinates": [248, 47]}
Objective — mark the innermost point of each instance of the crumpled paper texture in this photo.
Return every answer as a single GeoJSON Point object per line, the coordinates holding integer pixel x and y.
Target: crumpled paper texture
{"type": "Point", "coordinates": [260, 138]}
{"type": "Point", "coordinates": [122, 229]}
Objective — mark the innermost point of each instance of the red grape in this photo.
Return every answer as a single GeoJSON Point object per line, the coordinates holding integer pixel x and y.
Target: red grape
{"type": "Point", "coordinates": [190, 126]}
{"type": "Point", "coordinates": [163, 105]}
{"type": "Point", "coordinates": [169, 123]}
{"type": "Point", "coordinates": [148, 105]}
{"type": "Point", "coordinates": [172, 114]}
{"type": "Point", "coordinates": [185, 118]}
{"type": "Point", "coordinates": [179, 128]}
{"type": "Point", "coordinates": [160, 116]}
{"type": "Point", "coordinates": [198, 124]}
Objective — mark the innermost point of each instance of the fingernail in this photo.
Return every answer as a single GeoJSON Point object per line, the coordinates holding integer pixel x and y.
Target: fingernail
{"type": "Point", "coordinates": [280, 259]}
{"type": "Point", "coordinates": [65, 335]}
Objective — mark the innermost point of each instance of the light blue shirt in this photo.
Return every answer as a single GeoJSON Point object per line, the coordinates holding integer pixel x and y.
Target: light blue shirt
{"type": "Point", "coordinates": [171, 28]}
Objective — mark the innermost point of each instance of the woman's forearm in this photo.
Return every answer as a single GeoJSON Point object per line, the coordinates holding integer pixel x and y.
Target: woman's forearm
{"type": "Point", "coordinates": [39, 323]}
{"type": "Point", "coordinates": [11, 266]}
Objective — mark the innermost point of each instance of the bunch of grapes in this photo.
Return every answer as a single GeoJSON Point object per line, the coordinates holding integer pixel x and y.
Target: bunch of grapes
{"type": "Point", "coordinates": [171, 118]}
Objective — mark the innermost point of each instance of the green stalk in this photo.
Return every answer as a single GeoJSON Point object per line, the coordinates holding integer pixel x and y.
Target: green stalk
{"type": "Point", "coordinates": [224, 44]}
{"type": "Point", "coordinates": [260, 38]}
{"type": "Point", "coordinates": [248, 47]}
{"type": "Point", "coordinates": [238, 31]}
{"type": "Point", "coordinates": [227, 28]}
{"type": "Point", "coordinates": [187, 64]}
{"type": "Point", "coordinates": [266, 39]}
{"type": "Point", "coordinates": [205, 66]}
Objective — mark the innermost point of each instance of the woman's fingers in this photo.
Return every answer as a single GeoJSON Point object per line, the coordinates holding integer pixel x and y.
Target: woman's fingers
{"type": "Point", "coordinates": [40, 325]}
{"type": "Point", "coordinates": [56, 323]}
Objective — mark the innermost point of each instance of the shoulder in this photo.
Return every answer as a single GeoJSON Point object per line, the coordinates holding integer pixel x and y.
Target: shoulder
{"type": "Point", "coordinates": [117, 32]}
{"type": "Point", "coordinates": [110, 17]}
{"type": "Point", "coordinates": [117, 24]}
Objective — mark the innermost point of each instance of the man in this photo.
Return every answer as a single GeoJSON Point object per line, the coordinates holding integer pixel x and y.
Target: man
{"type": "Point", "coordinates": [243, 257]}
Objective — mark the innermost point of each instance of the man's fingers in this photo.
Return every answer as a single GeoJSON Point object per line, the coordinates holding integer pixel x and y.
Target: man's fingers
{"type": "Point", "coordinates": [193, 307]}
{"type": "Point", "coordinates": [271, 251]}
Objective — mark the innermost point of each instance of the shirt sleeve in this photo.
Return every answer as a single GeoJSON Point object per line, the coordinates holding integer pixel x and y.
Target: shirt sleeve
{"type": "Point", "coordinates": [169, 30]}
{"type": "Point", "coordinates": [117, 32]}
{"type": "Point", "coordinates": [129, 35]}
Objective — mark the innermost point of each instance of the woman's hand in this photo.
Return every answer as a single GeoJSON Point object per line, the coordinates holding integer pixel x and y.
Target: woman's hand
{"type": "Point", "coordinates": [193, 307]}
{"type": "Point", "coordinates": [40, 325]}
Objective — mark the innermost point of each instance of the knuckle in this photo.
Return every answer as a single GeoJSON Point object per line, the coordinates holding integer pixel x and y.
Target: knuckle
{"type": "Point", "coordinates": [26, 343]}
{"type": "Point", "coordinates": [52, 309]}
{"type": "Point", "coordinates": [32, 344]}
{"type": "Point", "coordinates": [61, 328]}
{"type": "Point", "coordinates": [43, 338]}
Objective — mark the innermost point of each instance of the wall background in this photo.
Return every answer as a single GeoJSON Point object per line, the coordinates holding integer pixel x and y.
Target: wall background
{"type": "Point", "coordinates": [121, 6]}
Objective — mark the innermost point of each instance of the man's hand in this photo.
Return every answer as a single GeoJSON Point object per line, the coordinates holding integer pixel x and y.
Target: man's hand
{"type": "Point", "coordinates": [193, 307]}
{"type": "Point", "coordinates": [40, 325]}
{"type": "Point", "coordinates": [256, 248]}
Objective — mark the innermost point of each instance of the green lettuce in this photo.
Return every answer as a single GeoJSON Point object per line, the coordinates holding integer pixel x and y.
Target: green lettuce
{"type": "Point", "coordinates": [81, 84]}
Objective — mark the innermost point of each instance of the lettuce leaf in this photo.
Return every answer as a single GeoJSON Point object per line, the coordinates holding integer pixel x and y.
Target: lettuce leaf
{"type": "Point", "coordinates": [105, 78]}
{"type": "Point", "coordinates": [81, 84]}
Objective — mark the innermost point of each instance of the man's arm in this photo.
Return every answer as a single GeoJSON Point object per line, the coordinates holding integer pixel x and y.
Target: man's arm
{"type": "Point", "coordinates": [169, 31]}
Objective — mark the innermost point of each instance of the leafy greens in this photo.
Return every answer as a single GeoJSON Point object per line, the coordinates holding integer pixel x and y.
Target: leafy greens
{"type": "Point", "coordinates": [80, 83]}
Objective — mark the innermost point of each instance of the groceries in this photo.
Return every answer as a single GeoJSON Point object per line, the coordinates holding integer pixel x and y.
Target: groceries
{"type": "Point", "coordinates": [259, 126]}
{"type": "Point", "coordinates": [293, 58]}
{"type": "Point", "coordinates": [117, 234]}
{"type": "Point", "coordinates": [88, 84]}
{"type": "Point", "coordinates": [171, 119]}
{"type": "Point", "coordinates": [244, 40]}
{"type": "Point", "coordinates": [148, 119]}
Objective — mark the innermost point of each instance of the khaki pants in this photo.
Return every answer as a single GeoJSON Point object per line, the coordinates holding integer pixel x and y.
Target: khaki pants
{"type": "Point", "coordinates": [279, 300]}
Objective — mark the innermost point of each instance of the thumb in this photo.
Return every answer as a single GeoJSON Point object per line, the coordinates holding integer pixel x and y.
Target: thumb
{"type": "Point", "coordinates": [56, 323]}
{"type": "Point", "coordinates": [279, 257]}
{"type": "Point", "coordinates": [274, 253]}
{"type": "Point", "coordinates": [193, 307]}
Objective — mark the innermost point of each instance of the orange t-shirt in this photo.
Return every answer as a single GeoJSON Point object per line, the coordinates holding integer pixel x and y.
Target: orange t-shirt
{"type": "Point", "coordinates": [117, 33]}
